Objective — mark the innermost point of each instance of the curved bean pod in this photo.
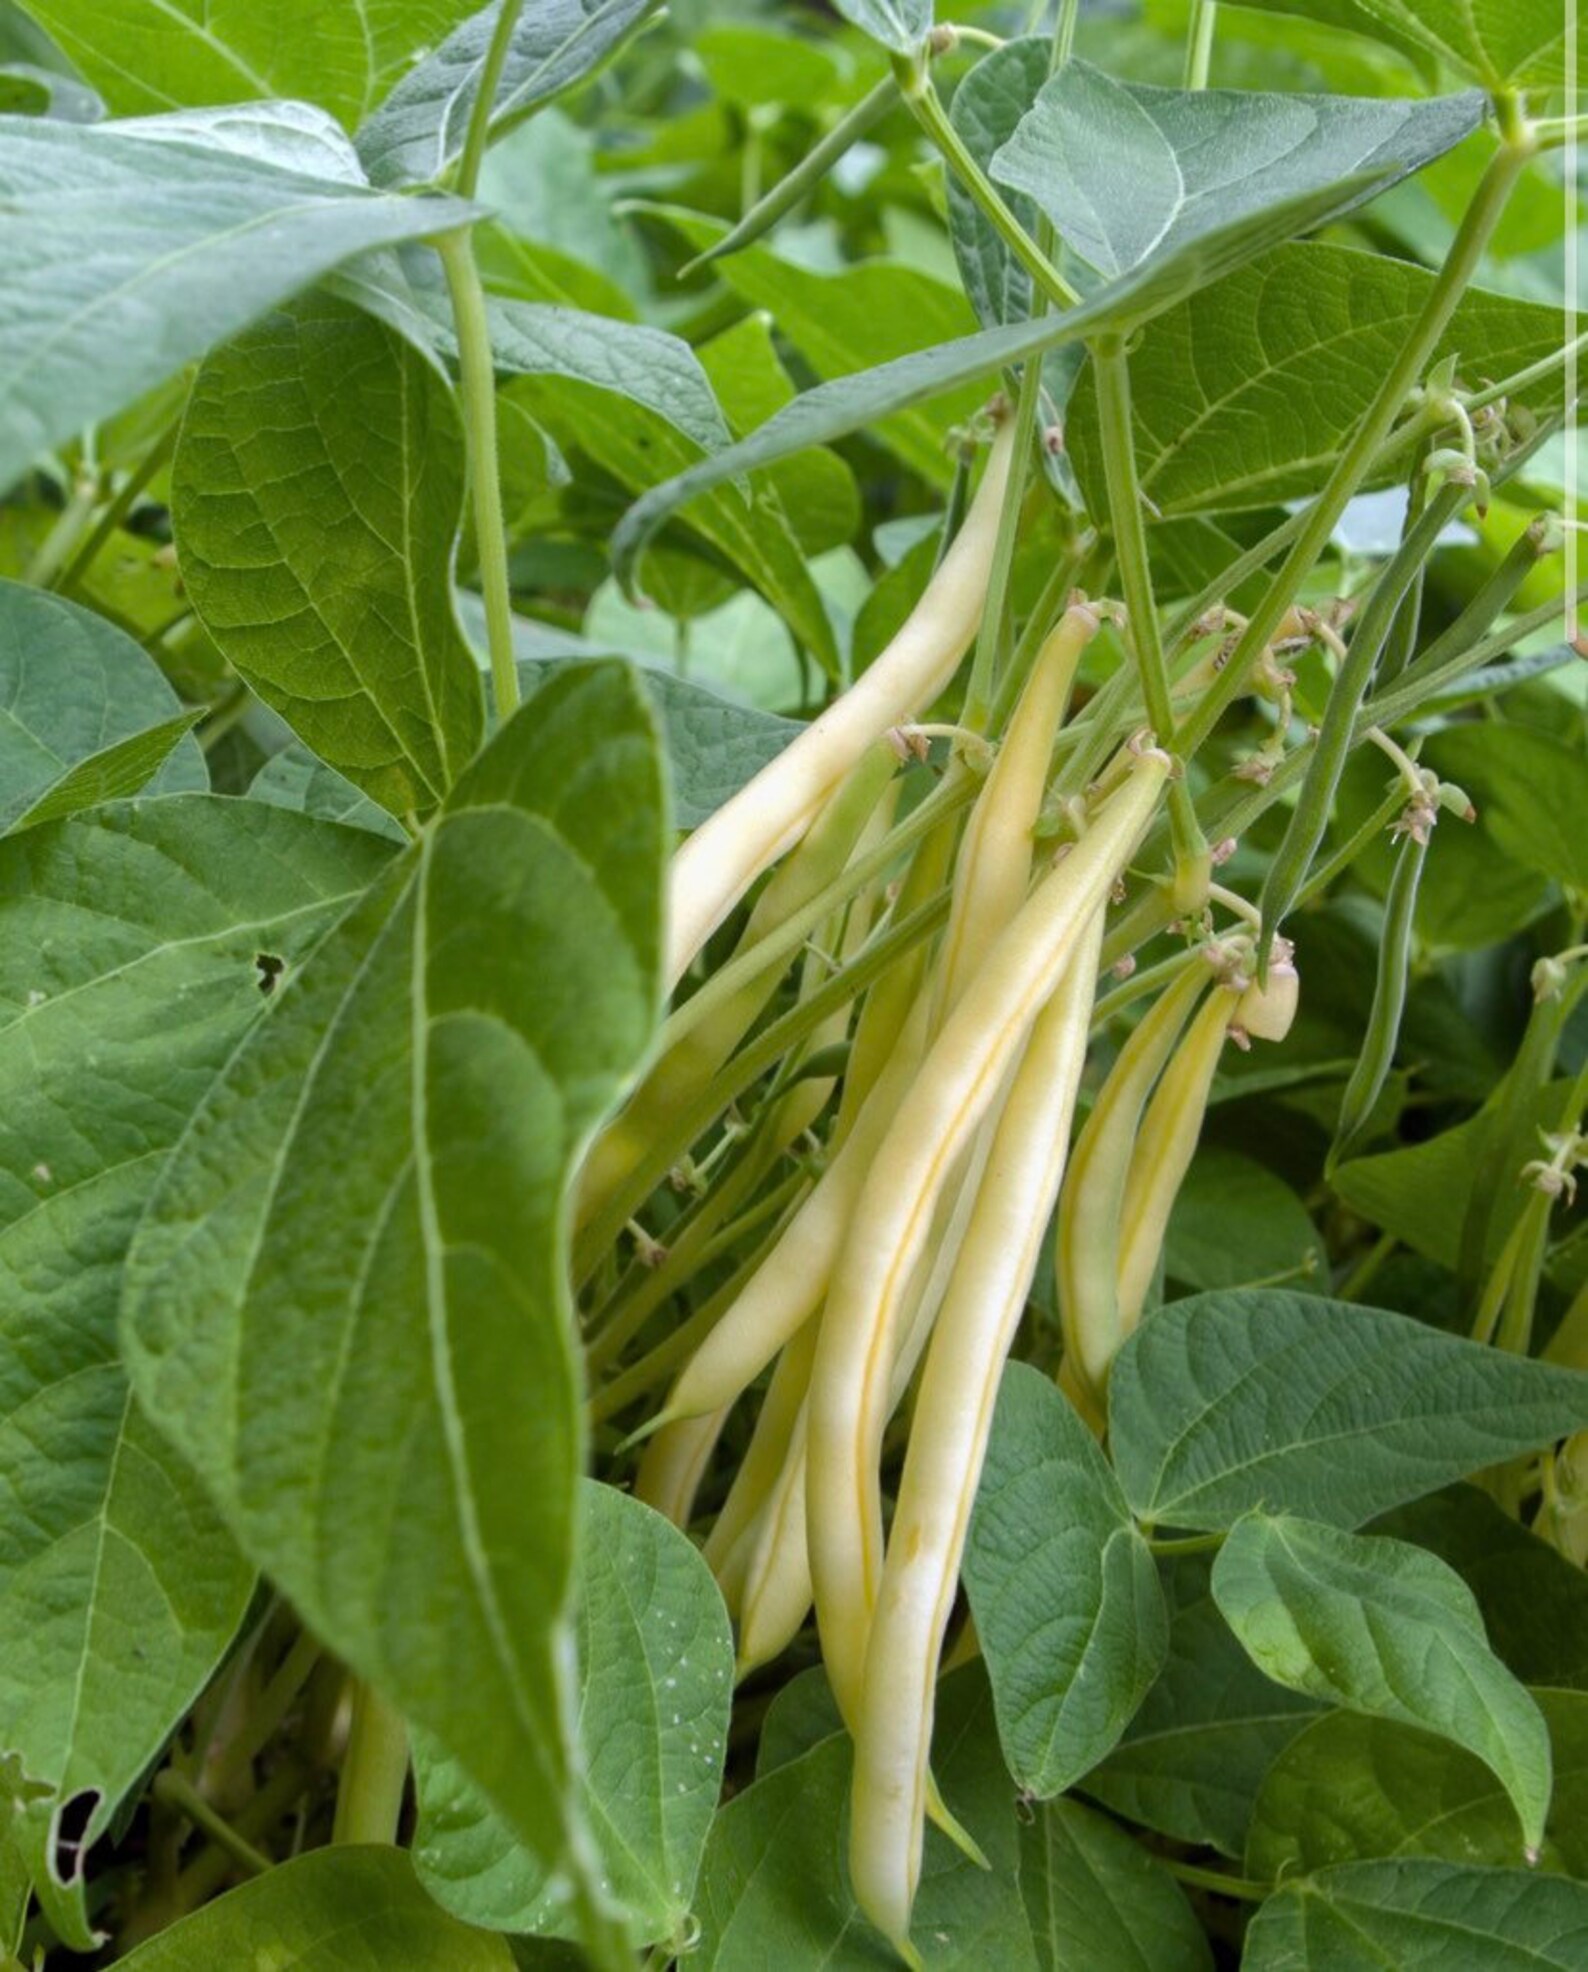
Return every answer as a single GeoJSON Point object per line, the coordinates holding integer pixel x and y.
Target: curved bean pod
{"type": "Point", "coordinates": [1389, 997]}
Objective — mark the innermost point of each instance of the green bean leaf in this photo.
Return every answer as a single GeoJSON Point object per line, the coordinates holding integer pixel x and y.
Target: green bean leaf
{"type": "Point", "coordinates": [901, 25]}
{"type": "Point", "coordinates": [1097, 1899]}
{"type": "Point", "coordinates": [1383, 1628]}
{"type": "Point", "coordinates": [1520, 42]}
{"type": "Point", "coordinates": [1063, 1588]}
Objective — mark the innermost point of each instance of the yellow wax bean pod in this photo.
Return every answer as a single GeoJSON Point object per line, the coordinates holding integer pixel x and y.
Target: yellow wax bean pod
{"type": "Point", "coordinates": [1165, 1147]}
{"type": "Point", "coordinates": [768, 1447]}
{"type": "Point", "coordinates": [893, 1215]}
{"type": "Point", "coordinates": [675, 1462]}
{"type": "Point", "coordinates": [729, 850]}
{"type": "Point", "coordinates": [993, 872]}
{"type": "Point", "coordinates": [948, 1443]}
{"type": "Point", "coordinates": [788, 1288]}
{"type": "Point", "coordinates": [1086, 1249]}
{"type": "Point", "coordinates": [776, 1596]}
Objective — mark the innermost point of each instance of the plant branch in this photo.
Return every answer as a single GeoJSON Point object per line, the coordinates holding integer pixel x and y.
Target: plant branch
{"type": "Point", "coordinates": [467, 177]}
{"type": "Point", "coordinates": [374, 1773]}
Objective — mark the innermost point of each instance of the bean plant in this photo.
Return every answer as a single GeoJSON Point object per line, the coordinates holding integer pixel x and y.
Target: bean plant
{"type": "Point", "coordinates": [793, 937]}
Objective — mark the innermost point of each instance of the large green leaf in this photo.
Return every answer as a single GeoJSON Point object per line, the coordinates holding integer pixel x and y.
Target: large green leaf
{"type": "Point", "coordinates": [1243, 393]}
{"type": "Point", "coordinates": [1531, 793]}
{"type": "Point", "coordinates": [774, 1886]}
{"type": "Point", "coordinates": [146, 55]}
{"type": "Point", "coordinates": [132, 959]}
{"type": "Point", "coordinates": [1182, 186]}
{"type": "Point", "coordinates": [126, 257]}
{"type": "Point", "coordinates": [1381, 1627]}
{"type": "Point", "coordinates": [1099, 1903]}
{"type": "Point", "coordinates": [333, 1910]}
{"type": "Point", "coordinates": [1230, 1401]}
{"type": "Point", "coordinates": [1063, 1588]}
{"type": "Point", "coordinates": [1352, 1787]}
{"type": "Point", "coordinates": [85, 714]}
{"type": "Point", "coordinates": [986, 111]}
{"type": "Point", "coordinates": [1194, 1756]}
{"type": "Point", "coordinates": [347, 1302]}
{"type": "Point", "coordinates": [418, 132]}
{"type": "Point", "coordinates": [316, 494]}
{"type": "Point", "coordinates": [1496, 42]}
{"type": "Point", "coordinates": [655, 1678]}
{"type": "Point", "coordinates": [1421, 1916]}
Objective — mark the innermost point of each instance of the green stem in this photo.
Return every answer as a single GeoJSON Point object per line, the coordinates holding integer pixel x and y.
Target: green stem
{"type": "Point", "coordinates": [178, 1792]}
{"type": "Point", "coordinates": [477, 379]}
{"type": "Point", "coordinates": [116, 513]}
{"type": "Point", "coordinates": [374, 1772]}
{"type": "Point", "coordinates": [1111, 366]}
{"type": "Point", "coordinates": [926, 107]}
{"type": "Point", "coordinates": [64, 536]}
{"type": "Point", "coordinates": [266, 1714]}
{"type": "Point", "coordinates": [1185, 1543]}
{"type": "Point", "coordinates": [1366, 1270]}
{"type": "Point", "coordinates": [467, 176]}
{"type": "Point", "coordinates": [1063, 34]}
{"type": "Point", "coordinates": [1521, 380]}
{"type": "Point", "coordinates": [1373, 428]}
{"type": "Point", "coordinates": [1240, 1887]}
{"type": "Point", "coordinates": [1199, 43]}
{"type": "Point", "coordinates": [209, 1871]}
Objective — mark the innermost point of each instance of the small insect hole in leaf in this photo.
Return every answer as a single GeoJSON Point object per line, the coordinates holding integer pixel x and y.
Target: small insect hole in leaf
{"type": "Point", "coordinates": [69, 1837]}
{"type": "Point", "coordinates": [270, 968]}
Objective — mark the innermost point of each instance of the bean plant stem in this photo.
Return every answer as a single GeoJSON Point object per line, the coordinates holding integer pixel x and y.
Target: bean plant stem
{"type": "Point", "coordinates": [113, 516]}
{"type": "Point", "coordinates": [374, 1772]}
{"type": "Point", "coordinates": [178, 1792]}
{"type": "Point", "coordinates": [1199, 43]}
{"type": "Point", "coordinates": [1239, 1887]}
{"type": "Point", "coordinates": [1356, 455]}
{"type": "Point", "coordinates": [477, 380]}
{"type": "Point", "coordinates": [467, 177]}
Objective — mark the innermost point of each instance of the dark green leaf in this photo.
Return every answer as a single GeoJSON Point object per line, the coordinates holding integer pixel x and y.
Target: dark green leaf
{"type": "Point", "coordinates": [1381, 1627]}
{"type": "Point", "coordinates": [1194, 1756]}
{"type": "Point", "coordinates": [85, 715]}
{"type": "Point", "coordinates": [333, 1910]}
{"type": "Point", "coordinates": [316, 494]}
{"type": "Point", "coordinates": [1351, 1787]}
{"type": "Point", "coordinates": [130, 967]}
{"type": "Point", "coordinates": [126, 257]}
{"type": "Point", "coordinates": [1235, 1222]}
{"type": "Point", "coordinates": [1190, 184]}
{"type": "Point", "coordinates": [1231, 1401]}
{"type": "Point", "coordinates": [1531, 793]}
{"type": "Point", "coordinates": [1243, 394]}
{"type": "Point", "coordinates": [347, 1302]}
{"type": "Point", "coordinates": [1063, 1588]}
{"type": "Point", "coordinates": [417, 134]}
{"type": "Point", "coordinates": [1420, 1916]}
{"type": "Point", "coordinates": [774, 1887]}
{"type": "Point", "coordinates": [1099, 1903]}
{"type": "Point", "coordinates": [656, 1677]}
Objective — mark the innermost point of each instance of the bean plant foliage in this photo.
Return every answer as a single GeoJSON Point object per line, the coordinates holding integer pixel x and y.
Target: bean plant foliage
{"type": "Point", "coordinates": [793, 987]}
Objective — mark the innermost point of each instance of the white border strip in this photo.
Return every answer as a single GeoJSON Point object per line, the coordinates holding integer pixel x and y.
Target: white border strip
{"type": "Point", "coordinates": [1574, 630]}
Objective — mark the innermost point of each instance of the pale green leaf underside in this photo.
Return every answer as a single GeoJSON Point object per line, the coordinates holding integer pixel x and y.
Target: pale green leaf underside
{"type": "Point", "coordinates": [1421, 1916]}
{"type": "Point", "coordinates": [129, 947]}
{"type": "Point", "coordinates": [347, 1303]}
{"type": "Point", "coordinates": [901, 25]}
{"type": "Point", "coordinates": [316, 494]}
{"type": "Point", "coordinates": [419, 131]}
{"type": "Point", "coordinates": [1351, 1787]}
{"type": "Point", "coordinates": [655, 1684]}
{"type": "Point", "coordinates": [1064, 1591]}
{"type": "Point", "coordinates": [1385, 1628]}
{"type": "Point", "coordinates": [150, 55]}
{"type": "Point", "coordinates": [333, 1910]}
{"type": "Point", "coordinates": [85, 715]}
{"type": "Point", "coordinates": [1234, 1400]}
{"type": "Point", "coordinates": [1133, 176]}
{"type": "Point", "coordinates": [125, 258]}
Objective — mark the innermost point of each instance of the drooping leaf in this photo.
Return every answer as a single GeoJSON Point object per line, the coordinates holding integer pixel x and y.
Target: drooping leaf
{"type": "Point", "coordinates": [316, 494]}
{"type": "Point", "coordinates": [85, 715]}
{"type": "Point", "coordinates": [1230, 1401]}
{"type": "Point", "coordinates": [774, 1886]}
{"type": "Point", "coordinates": [344, 1909]}
{"type": "Point", "coordinates": [1421, 1916]}
{"type": "Point", "coordinates": [1098, 1902]}
{"type": "Point", "coordinates": [1243, 393]}
{"type": "Point", "coordinates": [125, 258]}
{"type": "Point", "coordinates": [656, 1677]}
{"type": "Point", "coordinates": [1352, 1787]}
{"type": "Point", "coordinates": [1193, 1758]}
{"type": "Point", "coordinates": [1381, 1627]}
{"type": "Point", "coordinates": [1063, 1588]}
{"type": "Point", "coordinates": [417, 134]}
{"type": "Point", "coordinates": [133, 948]}
{"type": "Point", "coordinates": [149, 55]}
{"type": "Point", "coordinates": [294, 778]}
{"type": "Point", "coordinates": [901, 25]}
{"type": "Point", "coordinates": [347, 1302]}
{"type": "Point", "coordinates": [1179, 187]}
{"type": "Point", "coordinates": [1533, 1601]}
